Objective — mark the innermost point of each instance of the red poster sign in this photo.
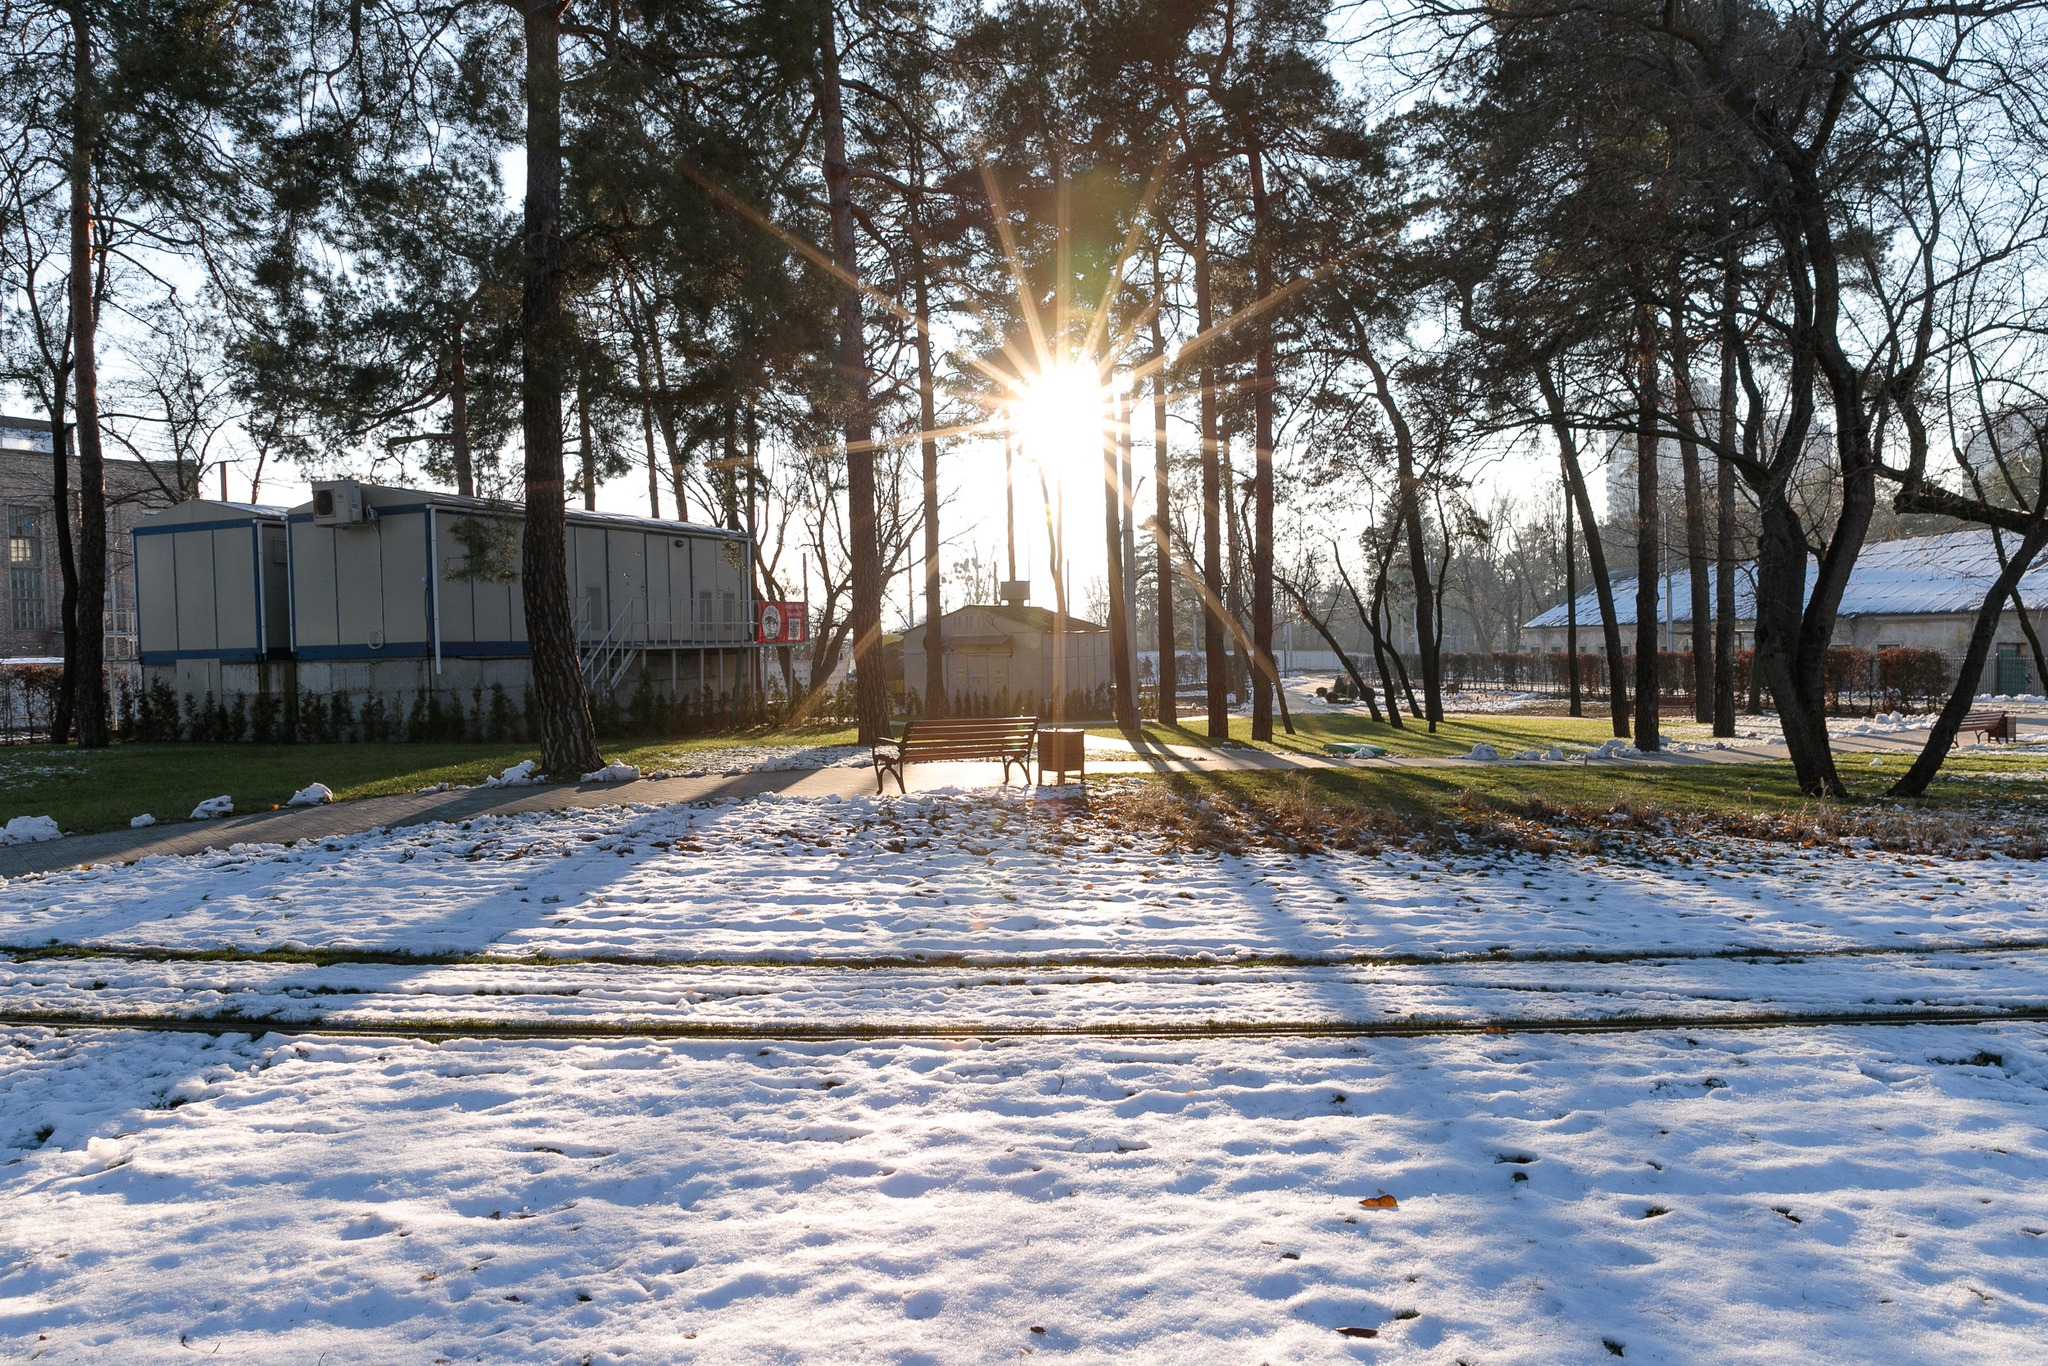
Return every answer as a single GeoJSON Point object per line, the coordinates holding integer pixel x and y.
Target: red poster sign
{"type": "Point", "coordinates": [781, 623]}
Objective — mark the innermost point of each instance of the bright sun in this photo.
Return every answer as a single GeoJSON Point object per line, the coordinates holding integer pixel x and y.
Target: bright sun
{"type": "Point", "coordinates": [1062, 416]}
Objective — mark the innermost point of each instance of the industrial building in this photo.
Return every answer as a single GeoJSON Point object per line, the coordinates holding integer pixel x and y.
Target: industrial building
{"type": "Point", "coordinates": [392, 593]}
{"type": "Point", "coordinates": [1920, 592]}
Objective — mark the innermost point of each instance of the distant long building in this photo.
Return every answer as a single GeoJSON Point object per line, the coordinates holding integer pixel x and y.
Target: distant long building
{"type": "Point", "coordinates": [30, 622]}
{"type": "Point", "coordinates": [394, 594]}
{"type": "Point", "coordinates": [1922, 592]}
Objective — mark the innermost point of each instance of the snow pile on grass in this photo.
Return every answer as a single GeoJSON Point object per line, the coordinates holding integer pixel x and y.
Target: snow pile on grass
{"type": "Point", "coordinates": [313, 794]}
{"type": "Point", "coordinates": [1483, 753]}
{"type": "Point", "coordinates": [29, 830]}
{"type": "Point", "coordinates": [207, 810]}
{"type": "Point", "coordinates": [1481, 703]}
{"type": "Point", "coordinates": [614, 772]}
{"type": "Point", "coordinates": [142, 821]}
{"type": "Point", "coordinates": [522, 774]}
{"type": "Point", "coordinates": [1614, 748]}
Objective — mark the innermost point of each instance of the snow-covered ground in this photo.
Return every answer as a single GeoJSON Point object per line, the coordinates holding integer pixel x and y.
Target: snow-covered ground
{"type": "Point", "coordinates": [1684, 1194]}
{"type": "Point", "coordinates": [1684, 1197]}
{"type": "Point", "coordinates": [994, 875]}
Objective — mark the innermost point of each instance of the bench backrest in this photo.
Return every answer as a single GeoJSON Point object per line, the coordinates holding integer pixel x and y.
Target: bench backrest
{"type": "Point", "coordinates": [968, 737]}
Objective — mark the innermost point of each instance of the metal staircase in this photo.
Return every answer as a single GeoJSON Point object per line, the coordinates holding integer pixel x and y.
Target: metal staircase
{"type": "Point", "coordinates": [612, 657]}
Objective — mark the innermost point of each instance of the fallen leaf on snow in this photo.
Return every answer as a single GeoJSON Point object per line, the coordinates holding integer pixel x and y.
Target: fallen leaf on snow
{"type": "Point", "coordinates": [1381, 1201]}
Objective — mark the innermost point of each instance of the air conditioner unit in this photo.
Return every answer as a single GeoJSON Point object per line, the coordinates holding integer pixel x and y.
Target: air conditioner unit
{"type": "Point", "coordinates": [338, 502]}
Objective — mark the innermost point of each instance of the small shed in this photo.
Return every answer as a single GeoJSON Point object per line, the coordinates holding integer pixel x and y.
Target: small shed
{"type": "Point", "coordinates": [1002, 654]}
{"type": "Point", "coordinates": [213, 587]}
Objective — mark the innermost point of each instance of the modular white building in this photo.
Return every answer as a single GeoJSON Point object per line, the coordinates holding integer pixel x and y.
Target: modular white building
{"type": "Point", "coordinates": [370, 591]}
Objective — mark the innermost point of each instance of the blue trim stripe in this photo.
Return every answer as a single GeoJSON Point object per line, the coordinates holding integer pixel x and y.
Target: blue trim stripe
{"type": "Point", "coordinates": [225, 656]}
{"type": "Point", "coordinates": [220, 525]}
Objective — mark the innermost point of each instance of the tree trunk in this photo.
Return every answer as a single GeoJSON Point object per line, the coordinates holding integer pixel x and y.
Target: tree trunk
{"type": "Point", "coordinates": [1234, 567]}
{"type": "Point", "coordinates": [1702, 673]}
{"type": "Point", "coordinates": [1123, 699]}
{"type": "Point", "coordinates": [1724, 514]}
{"type": "Point", "coordinates": [871, 697]}
{"type": "Point", "coordinates": [586, 448]}
{"type": "Point", "coordinates": [1127, 503]}
{"type": "Point", "coordinates": [1596, 550]}
{"type": "Point", "coordinates": [87, 676]}
{"type": "Point", "coordinates": [568, 742]}
{"type": "Point", "coordinates": [1214, 649]}
{"type": "Point", "coordinates": [1408, 507]}
{"type": "Point", "coordinates": [458, 419]}
{"type": "Point", "coordinates": [1648, 547]}
{"type": "Point", "coordinates": [1266, 678]}
{"type": "Point", "coordinates": [1162, 520]}
{"type": "Point", "coordinates": [67, 556]}
{"type": "Point", "coordinates": [1571, 610]}
{"type": "Point", "coordinates": [1943, 736]}
{"type": "Point", "coordinates": [935, 692]}
{"type": "Point", "coordinates": [1322, 628]}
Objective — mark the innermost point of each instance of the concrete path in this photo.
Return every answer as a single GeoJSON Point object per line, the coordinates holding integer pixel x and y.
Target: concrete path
{"type": "Point", "coordinates": [1105, 756]}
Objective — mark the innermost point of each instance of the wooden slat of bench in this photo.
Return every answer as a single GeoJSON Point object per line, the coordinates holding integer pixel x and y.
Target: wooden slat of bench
{"type": "Point", "coordinates": [975, 727]}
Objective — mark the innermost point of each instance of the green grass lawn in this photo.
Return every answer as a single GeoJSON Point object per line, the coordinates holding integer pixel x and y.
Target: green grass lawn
{"type": "Point", "coordinates": [101, 790]}
{"type": "Point", "coordinates": [1457, 734]}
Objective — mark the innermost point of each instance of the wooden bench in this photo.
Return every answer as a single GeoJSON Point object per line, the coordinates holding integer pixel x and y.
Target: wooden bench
{"type": "Point", "coordinates": [986, 738]}
{"type": "Point", "coordinates": [1992, 725]}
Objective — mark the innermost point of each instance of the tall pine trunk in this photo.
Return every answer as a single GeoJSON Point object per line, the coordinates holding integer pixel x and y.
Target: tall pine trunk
{"type": "Point", "coordinates": [1265, 679]}
{"type": "Point", "coordinates": [1124, 700]}
{"type": "Point", "coordinates": [458, 419]}
{"type": "Point", "coordinates": [1647, 542]}
{"type": "Point", "coordinates": [1724, 513]}
{"type": "Point", "coordinates": [568, 741]}
{"type": "Point", "coordinates": [1702, 672]}
{"type": "Point", "coordinates": [1162, 522]}
{"type": "Point", "coordinates": [935, 696]}
{"type": "Point", "coordinates": [1574, 688]}
{"type": "Point", "coordinates": [871, 696]}
{"type": "Point", "coordinates": [67, 555]}
{"type": "Point", "coordinates": [1214, 649]}
{"type": "Point", "coordinates": [87, 677]}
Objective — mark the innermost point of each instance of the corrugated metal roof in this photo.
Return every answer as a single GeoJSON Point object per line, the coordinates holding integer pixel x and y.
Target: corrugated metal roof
{"type": "Point", "coordinates": [1917, 576]}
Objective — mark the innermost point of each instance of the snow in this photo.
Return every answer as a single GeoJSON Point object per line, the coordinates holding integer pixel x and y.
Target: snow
{"type": "Point", "coordinates": [521, 774]}
{"type": "Point", "coordinates": [313, 794]}
{"type": "Point", "coordinates": [1687, 1193]}
{"type": "Point", "coordinates": [1615, 748]}
{"type": "Point", "coordinates": [992, 876]}
{"type": "Point", "coordinates": [141, 822]}
{"type": "Point", "coordinates": [1687, 1196]}
{"type": "Point", "coordinates": [212, 807]}
{"type": "Point", "coordinates": [1483, 753]}
{"type": "Point", "coordinates": [614, 772]}
{"type": "Point", "coordinates": [29, 830]}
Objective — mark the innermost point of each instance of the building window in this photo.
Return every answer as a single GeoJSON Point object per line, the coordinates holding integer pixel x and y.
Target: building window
{"type": "Point", "coordinates": [25, 568]}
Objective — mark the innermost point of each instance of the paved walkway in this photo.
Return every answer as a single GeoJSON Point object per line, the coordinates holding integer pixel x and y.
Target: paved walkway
{"type": "Point", "coordinates": [1105, 756]}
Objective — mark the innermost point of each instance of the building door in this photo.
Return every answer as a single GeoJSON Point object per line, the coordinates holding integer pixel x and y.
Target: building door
{"type": "Point", "coordinates": [2012, 670]}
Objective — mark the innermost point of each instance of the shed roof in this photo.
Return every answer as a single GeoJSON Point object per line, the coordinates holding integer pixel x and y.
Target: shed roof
{"type": "Point", "coordinates": [1916, 576]}
{"type": "Point", "coordinates": [206, 510]}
